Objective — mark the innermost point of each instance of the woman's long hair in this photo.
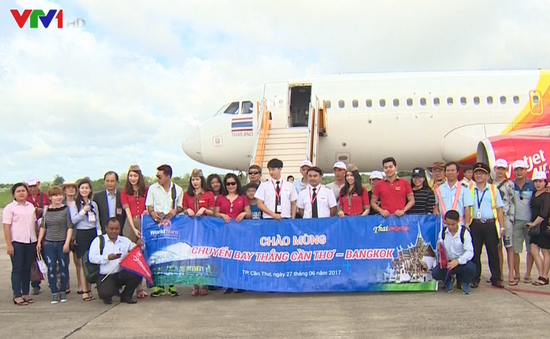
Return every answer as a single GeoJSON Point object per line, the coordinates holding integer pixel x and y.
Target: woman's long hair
{"type": "Point", "coordinates": [191, 189]}
{"type": "Point", "coordinates": [79, 200]}
{"type": "Point", "coordinates": [141, 184]}
{"type": "Point", "coordinates": [357, 185]}
{"type": "Point", "coordinates": [425, 185]}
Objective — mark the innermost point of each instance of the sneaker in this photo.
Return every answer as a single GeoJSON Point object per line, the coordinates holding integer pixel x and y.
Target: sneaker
{"type": "Point", "coordinates": [63, 297]}
{"type": "Point", "coordinates": [157, 292]}
{"type": "Point", "coordinates": [36, 290]}
{"type": "Point", "coordinates": [466, 289]}
{"type": "Point", "coordinates": [449, 284]}
{"type": "Point", "coordinates": [54, 299]}
{"type": "Point", "coordinates": [173, 291]}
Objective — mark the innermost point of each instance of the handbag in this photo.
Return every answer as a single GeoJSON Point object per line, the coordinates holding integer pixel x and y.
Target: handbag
{"type": "Point", "coordinates": [534, 231]}
{"type": "Point", "coordinates": [42, 267]}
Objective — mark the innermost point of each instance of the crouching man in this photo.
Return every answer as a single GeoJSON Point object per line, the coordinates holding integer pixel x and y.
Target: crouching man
{"type": "Point", "coordinates": [456, 242]}
{"type": "Point", "coordinates": [111, 277]}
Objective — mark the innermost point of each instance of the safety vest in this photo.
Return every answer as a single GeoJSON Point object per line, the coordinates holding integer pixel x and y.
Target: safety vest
{"type": "Point", "coordinates": [442, 207]}
{"type": "Point", "coordinates": [493, 190]}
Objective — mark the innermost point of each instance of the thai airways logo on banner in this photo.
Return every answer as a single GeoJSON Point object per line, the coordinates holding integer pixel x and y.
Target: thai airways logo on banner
{"type": "Point", "coordinates": [333, 254]}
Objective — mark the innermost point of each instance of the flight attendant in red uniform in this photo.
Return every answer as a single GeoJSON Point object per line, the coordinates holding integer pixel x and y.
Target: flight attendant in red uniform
{"type": "Point", "coordinates": [354, 197]}
{"type": "Point", "coordinates": [197, 202]}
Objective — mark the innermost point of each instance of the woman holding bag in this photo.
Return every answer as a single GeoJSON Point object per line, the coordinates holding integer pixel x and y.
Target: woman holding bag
{"type": "Point", "coordinates": [538, 228]}
{"type": "Point", "coordinates": [19, 220]}
{"type": "Point", "coordinates": [56, 229]}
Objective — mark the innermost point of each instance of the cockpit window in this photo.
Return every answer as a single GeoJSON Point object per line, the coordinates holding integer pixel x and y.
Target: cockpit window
{"type": "Point", "coordinates": [247, 107]}
{"type": "Point", "coordinates": [233, 108]}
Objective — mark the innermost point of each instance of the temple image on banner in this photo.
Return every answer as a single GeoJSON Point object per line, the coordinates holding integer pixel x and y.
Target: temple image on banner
{"type": "Point", "coordinates": [412, 265]}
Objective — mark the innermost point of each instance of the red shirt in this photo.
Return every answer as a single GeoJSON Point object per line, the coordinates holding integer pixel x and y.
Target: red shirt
{"type": "Point", "coordinates": [392, 196]}
{"type": "Point", "coordinates": [37, 201]}
{"type": "Point", "coordinates": [136, 204]}
{"type": "Point", "coordinates": [205, 199]}
{"type": "Point", "coordinates": [232, 209]}
{"type": "Point", "coordinates": [357, 203]}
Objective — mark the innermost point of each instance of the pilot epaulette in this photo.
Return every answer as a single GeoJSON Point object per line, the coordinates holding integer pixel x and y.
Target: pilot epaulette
{"type": "Point", "coordinates": [465, 184]}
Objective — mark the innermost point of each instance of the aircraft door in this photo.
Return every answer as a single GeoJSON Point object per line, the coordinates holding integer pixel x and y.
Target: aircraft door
{"type": "Point", "coordinates": [276, 94]}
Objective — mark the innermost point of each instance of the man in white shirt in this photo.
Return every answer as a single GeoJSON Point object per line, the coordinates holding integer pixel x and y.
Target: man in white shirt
{"type": "Point", "coordinates": [456, 242]}
{"type": "Point", "coordinates": [276, 197]}
{"type": "Point", "coordinates": [302, 183]}
{"type": "Point", "coordinates": [111, 277]}
{"type": "Point", "coordinates": [340, 169]}
{"type": "Point", "coordinates": [316, 200]}
{"type": "Point", "coordinates": [164, 200]}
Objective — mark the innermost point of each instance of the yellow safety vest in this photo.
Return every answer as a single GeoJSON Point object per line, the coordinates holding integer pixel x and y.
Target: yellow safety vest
{"type": "Point", "coordinates": [493, 190]}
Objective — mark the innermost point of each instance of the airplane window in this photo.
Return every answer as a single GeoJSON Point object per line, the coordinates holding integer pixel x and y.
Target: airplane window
{"type": "Point", "coordinates": [341, 104]}
{"type": "Point", "coordinates": [535, 99]}
{"type": "Point", "coordinates": [233, 108]}
{"type": "Point", "coordinates": [516, 99]}
{"type": "Point", "coordinates": [436, 101]}
{"type": "Point", "coordinates": [423, 101]}
{"type": "Point", "coordinates": [463, 101]}
{"type": "Point", "coordinates": [247, 107]}
{"type": "Point", "coordinates": [503, 100]}
{"type": "Point", "coordinates": [476, 100]}
{"type": "Point", "coordinates": [328, 103]}
{"type": "Point", "coordinates": [355, 103]}
{"type": "Point", "coordinates": [395, 102]}
{"type": "Point", "coordinates": [409, 102]}
{"type": "Point", "coordinates": [382, 103]}
{"type": "Point", "coordinates": [449, 101]}
{"type": "Point", "coordinates": [369, 103]}
{"type": "Point", "coordinates": [490, 100]}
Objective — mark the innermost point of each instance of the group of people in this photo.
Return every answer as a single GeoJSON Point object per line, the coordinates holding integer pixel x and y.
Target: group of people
{"type": "Point", "coordinates": [71, 218]}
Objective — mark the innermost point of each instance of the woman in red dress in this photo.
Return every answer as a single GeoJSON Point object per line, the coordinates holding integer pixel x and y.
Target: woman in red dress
{"type": "Point", "coordinates": [354, 197]}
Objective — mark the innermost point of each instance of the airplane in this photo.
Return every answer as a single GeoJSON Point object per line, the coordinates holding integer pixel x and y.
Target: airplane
{"type": "Point", "coordinates": [415, 117]}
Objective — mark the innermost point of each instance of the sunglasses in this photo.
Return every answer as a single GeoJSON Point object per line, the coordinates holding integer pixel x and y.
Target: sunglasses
{"type": "Point", "coordinates": [232, 183]}
{"type": "Point", "coordinates": [253, 173]}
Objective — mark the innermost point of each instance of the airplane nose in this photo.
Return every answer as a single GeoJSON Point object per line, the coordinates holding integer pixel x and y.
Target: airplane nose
{"type": "Point", "coordinates": [191, 145]}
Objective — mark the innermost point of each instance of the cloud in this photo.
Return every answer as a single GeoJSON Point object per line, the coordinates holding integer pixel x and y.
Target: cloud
{"type": "Point", "coordinates": [128, 87]}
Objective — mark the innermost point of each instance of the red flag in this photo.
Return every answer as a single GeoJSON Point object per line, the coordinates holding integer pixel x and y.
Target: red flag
{"type": "Point", "coordinates": [442, 256]}
{"type": "Point", "coordinates": [135, 263]}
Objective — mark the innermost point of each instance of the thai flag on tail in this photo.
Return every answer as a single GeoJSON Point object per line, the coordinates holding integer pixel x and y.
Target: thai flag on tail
{"type": "Point", "coordinates": [242, 124]}
{"type": "Point", "coordinates": [135, 263]}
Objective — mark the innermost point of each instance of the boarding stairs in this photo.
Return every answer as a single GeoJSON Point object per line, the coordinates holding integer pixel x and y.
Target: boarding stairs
{"type": "Point", "coordinates": [292, 145]}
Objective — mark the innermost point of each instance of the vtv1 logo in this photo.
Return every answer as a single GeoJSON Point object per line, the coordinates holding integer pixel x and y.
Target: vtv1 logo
{"type": "Point", "coordinates": [46, 19]}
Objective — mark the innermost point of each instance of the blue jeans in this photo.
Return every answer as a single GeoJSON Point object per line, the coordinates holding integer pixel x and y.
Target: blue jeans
{"type": "Point", "coordinates": [465, 273]}
{"type": "Point", "coordinates": [23, 257]}
{"type": "Point", "coordinates": [54, 256]}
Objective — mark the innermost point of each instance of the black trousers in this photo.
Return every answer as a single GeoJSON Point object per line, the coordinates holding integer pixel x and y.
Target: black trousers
{"type": "Point", "coordinates": [110, 286]}
{"type": "Point", "coordinates": [486, 234]}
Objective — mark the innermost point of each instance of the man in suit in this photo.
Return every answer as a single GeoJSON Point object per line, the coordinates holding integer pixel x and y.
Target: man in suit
{"type": "Point", "coordinates": [108, 201]}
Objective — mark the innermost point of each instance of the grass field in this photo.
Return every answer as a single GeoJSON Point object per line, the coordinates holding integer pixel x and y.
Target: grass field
{"type": "Point", "coordinates": [5, 197]}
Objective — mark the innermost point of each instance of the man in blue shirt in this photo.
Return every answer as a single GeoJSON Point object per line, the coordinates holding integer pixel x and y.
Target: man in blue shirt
{"type": "Point", "coordinates": [524, 189]}
{"type": "Point", "coordinates": [487, 226]}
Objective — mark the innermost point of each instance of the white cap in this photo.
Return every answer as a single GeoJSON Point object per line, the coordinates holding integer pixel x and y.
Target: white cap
{"type": "Point", "coordinates": [31, 180]}
{"type": "Point", "coordinates": [520, 164]}
{"type": "Point", "coordinates": [539, 175]}
{"type": "Point", "coordinates": [340, 165]}
{"type": "Point", "coordinates": [501, 163]}
{"type": "Point", "coordinates": [376, 175]}
{"type": "Point", "coordinates": [306, 163]}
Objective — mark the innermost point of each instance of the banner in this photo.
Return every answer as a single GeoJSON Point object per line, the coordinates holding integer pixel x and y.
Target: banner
{"type": "Point", "coordinates": [321, 255]}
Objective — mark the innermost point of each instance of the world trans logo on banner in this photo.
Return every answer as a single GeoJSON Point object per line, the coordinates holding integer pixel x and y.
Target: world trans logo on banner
{"type": "Point", "coordinates": [21, 18]}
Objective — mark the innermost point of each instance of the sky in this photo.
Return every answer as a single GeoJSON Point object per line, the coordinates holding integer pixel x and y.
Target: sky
{"type": "Point", "coordinates": [128, 86]}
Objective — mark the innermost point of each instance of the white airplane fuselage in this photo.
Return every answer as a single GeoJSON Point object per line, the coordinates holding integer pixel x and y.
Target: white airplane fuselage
{"type": "Point", "coordinates": [417, 118]}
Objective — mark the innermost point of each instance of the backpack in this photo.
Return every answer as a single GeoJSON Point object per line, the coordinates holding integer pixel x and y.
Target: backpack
{"type": "Point", "coordinates": [91, 271]}
{"type": "Point", "coordinates": [461, 233]}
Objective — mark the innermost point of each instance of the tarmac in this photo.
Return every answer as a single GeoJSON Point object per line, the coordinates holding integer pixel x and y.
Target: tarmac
{"type": "Point", "coordinates": [521, 311]}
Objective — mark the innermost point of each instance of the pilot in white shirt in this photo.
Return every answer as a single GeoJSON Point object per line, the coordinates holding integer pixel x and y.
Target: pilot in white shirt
{"type": "Point", "coordinates": [316, 200]}
{"type": "Point", "coordinates": [276, 197]}
{"type": "Point", "coordinates": [111, 277]}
